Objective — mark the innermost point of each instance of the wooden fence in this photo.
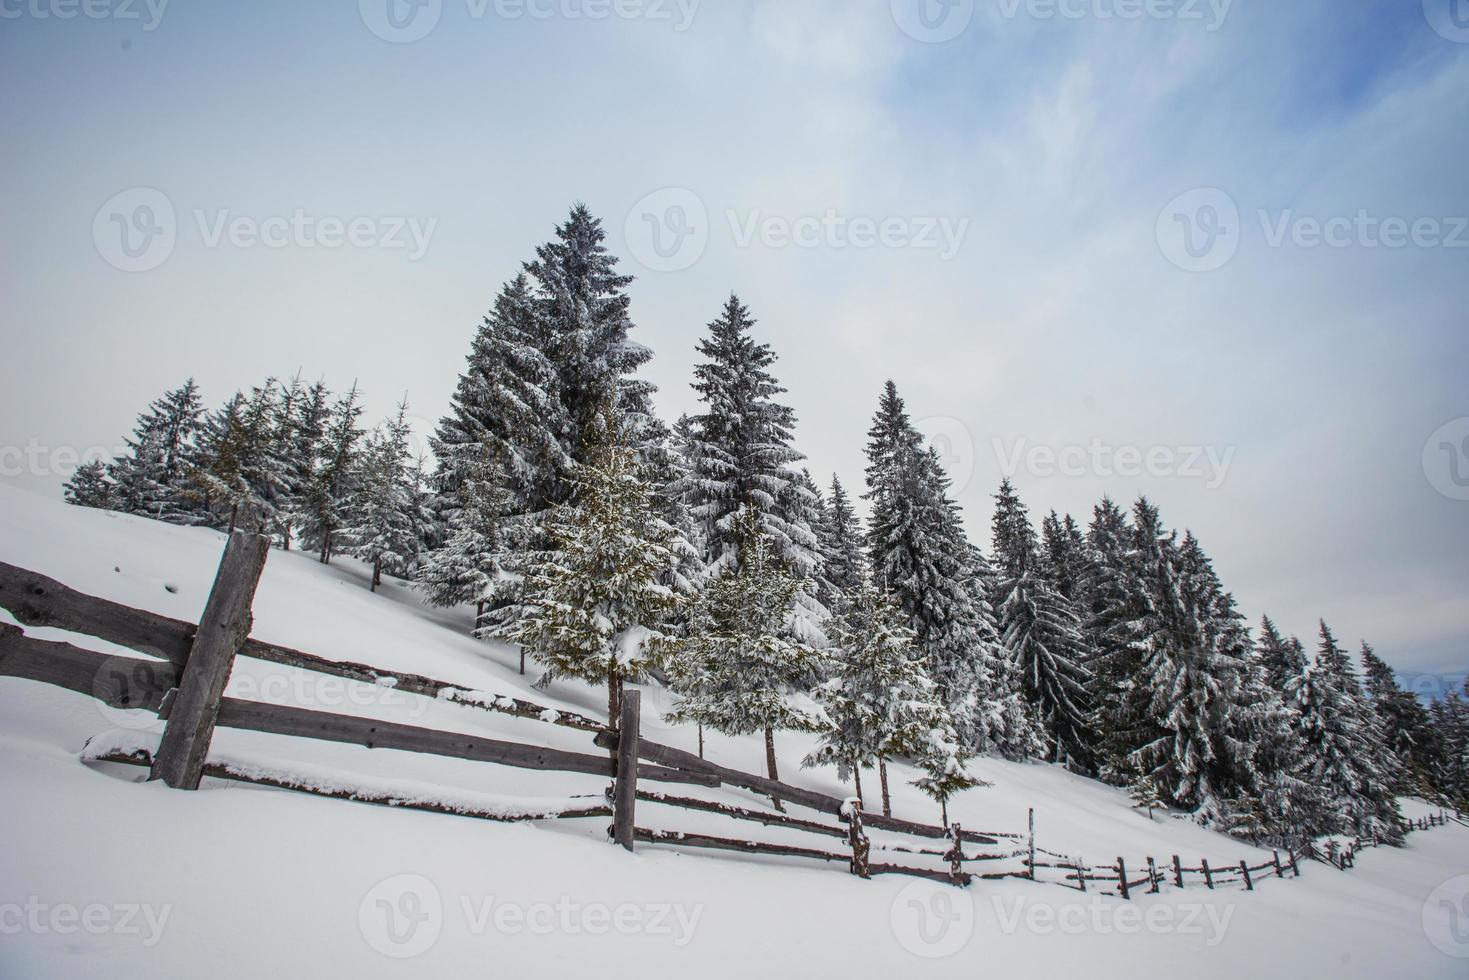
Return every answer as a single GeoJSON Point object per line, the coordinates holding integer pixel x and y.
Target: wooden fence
{"type": "Point", "coordinates": [184, 684]}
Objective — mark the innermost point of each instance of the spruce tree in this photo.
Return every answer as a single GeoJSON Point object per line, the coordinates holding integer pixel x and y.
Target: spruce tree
{"type": "Point", "coordinates": [1041, 632]}
{"type": "Point", "coordinates": [595, 608]}
{"type": "Point", "coordinates": [469, 566]}
{"type": "Point", "coordinates": [1343, 760]}
{"type": "Point", "coordinates": [331, 487]}
{"type": "Point", "coordinates": [1115, 605]}
{"type": "Point", "coordinates": [879, 701]}
{"type": "Point", "coordinates": [1404, 723]}
{"type": "Point", "coordinates": [843, 550]}
{"type": "Point", "coordinates": [90, 486]}
{"type": "Point", "coordinates": [380, 528]}
{"type": "Point", "coordinates": [740, 450]}
{"type": "Point", "coordinates": [151, 479]}
{"type": "Point", "coordinates": [739, 667]}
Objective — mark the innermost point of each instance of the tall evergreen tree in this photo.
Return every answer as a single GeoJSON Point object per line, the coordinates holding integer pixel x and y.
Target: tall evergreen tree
{"type": "Point", "coordinates": [844, 561]}
{"type": "Point", "coordinates": [90, 486]}
{"type": "Point", "coordinates": [1343, 761]}
{"type": "Point", "coordinates": [739, 668]}
{"type": "Point", "coordinates": [331, 488]}
{"type": "Point", "coordinates": [380, 513]}
{"type": "Point", "coordinates": [1041, 632]}
{"type": "Point", "coordinates": [469, 566]}
{"type": "Point", "coordinates": [151, 478]}
{"type": "Point", "coordinates": [1404, 723]}
{"type": "Point", "coordinates": [595, 607]}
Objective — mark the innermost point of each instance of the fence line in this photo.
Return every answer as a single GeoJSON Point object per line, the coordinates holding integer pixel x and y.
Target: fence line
{"type": "Point", "coordinates": [185, 685]}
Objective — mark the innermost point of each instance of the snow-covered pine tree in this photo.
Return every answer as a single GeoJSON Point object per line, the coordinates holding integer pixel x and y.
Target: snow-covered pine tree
{"type": "Point", "coordinates": [1041, 633]}
{"type": "Point", "coordinates": [331, 487]}
{"type": "Point", "coordinates": [1283, 660]}
{"type": "Point", "coordinates": [90, 486]}
{"type": "Point", "coordinates": [596, 608]}
{"type": "Point", "coordinates": [507, 403]}
{"type": "Point", "coordinates": [469, 566]}
{"type": "Point", "coordinates": [921, 557]}
{"type": "Point", "coordinates": [845, 563]}
{"type": "Point", "coordinates": [1192, 679]}
{"type": "Point", "coordinates": [151, 479]}
{"type": "Point", "coordinates": [880, 701]}
{"type": "Point", "coordinates": [1343, 761]}
{"type": "Point", "coordinates": [739, 671]}
{"type": "Point", "coordinates": [380, 518]}
{"type": "Point", "coordinates": [942, 758]}
{"type": "Point", "coordinates": [581, 309]}
{"type": "Point", "coordinates": [1110, 625]}
{"type": "Point", "coordinates": [301, 427]}
{"type": "Point", "coordinates": [1404, 723]}
{"type": "Point", "coordinates": [218, 490]}
{"type": "Point", "coordinates": [1145, 795]}
{"type": "Point", "coordinates": [1450, 716]}
{"type": "Point", "coordinates": [740, 457]}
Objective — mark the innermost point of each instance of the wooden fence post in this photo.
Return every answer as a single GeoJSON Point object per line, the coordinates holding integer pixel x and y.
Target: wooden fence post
{"type": "Point", "coordinates": [1295, 868]}
{"type": "Point", "coordinates": [1208, 875]}
{"type": "Point", "coordinates": [1081, 872]}
{"type": "Point", "coordinates": [625, 795]}
{"type": "Point", "coordinates": [222, 631]}
{"type": "Point", "coordinates": [1279, 871]}
{"type": "Point", "coordinates": [1154, 879]}
{"type": "Point", "coordinates": [1177, 871]}
{"type": "Point", "coordinates": [956, 856]}
{"type": "Point", "coordinates": [1122, 879]}
{"type": "Point", "coordinates": [1244, 869]}
{"type": "Point", "coordinates": [1031, 844]}
{"type": "Point", "coordinates": [857, 837]}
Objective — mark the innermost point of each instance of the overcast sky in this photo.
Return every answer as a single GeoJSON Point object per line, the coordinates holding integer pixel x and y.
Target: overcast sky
{"type": "Point", "coordinates": [1212, 252]}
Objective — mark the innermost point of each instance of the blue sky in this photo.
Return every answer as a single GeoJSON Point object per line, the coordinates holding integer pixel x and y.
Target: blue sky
{"type": "Point", "coordinates": [1061, 320]}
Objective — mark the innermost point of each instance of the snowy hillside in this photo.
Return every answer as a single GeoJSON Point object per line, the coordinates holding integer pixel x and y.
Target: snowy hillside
{"type": "Point", "coordinates": [104, 874]}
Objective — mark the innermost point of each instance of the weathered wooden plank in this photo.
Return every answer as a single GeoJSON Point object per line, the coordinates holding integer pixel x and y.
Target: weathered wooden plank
{"type": "Point", "coordinates": [943, 876]}
{"type": "Point", "coordinates": [37, 600]}
{"type": "Point", "coordinates": [678, 758]}
{"type": "Point", "coordinates": [728, 844]}
{"type": "Point", "coordinates": [223, 629]}
{"type": "Point", "coordinates": [625, 791]}
{"type": "Point", "coordinates": [220, 771]}
{"type": "Point", "coordinates": [121, 682]}
{"type": "Point", "coordinates": [738, 813]}
{"type": "Point", "coordinates": [417, 684]}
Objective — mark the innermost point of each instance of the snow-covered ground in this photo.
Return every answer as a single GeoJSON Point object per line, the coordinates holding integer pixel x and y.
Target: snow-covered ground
{"type": "Point", "coordinates": [102, 874]}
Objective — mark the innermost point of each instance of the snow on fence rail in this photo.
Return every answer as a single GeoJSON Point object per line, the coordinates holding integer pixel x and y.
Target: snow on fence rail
{"type": "Point", "coordinates": [185, 687]}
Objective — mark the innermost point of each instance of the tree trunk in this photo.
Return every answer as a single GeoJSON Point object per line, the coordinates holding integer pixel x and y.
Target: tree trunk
{"type": "Point", "coordinates": [614, 699]}
{"type": "Point", "coordinates": [377, 574]}
{"type": "Point", "coordinates": [770, 765]}
{"type": "Point", "coordinates": [522, 665]}
{"type": "Point", "coordinates": [857, 778]}
{"type": "Point", "coordinates": [701, 740]}
{"type": "Point", "coordinates": [887, 801]}
{"type": "Point", "coordinates": [944, 808]}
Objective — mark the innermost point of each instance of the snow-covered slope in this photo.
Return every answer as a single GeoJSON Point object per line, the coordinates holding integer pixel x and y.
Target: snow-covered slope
{"type": "Point", "coordinates": [103, 874]}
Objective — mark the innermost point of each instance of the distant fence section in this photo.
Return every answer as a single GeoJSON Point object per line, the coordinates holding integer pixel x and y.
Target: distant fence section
{"type": "Point", "coordinates": [185, 680]}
